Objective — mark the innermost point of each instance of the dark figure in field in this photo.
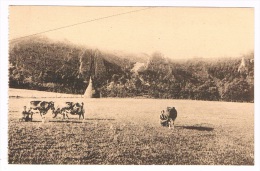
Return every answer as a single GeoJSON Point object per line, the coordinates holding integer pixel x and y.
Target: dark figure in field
{"type": "Point", "coordinates": [26, 115]}
{"type": "Point", "coordinates": [163, 118]}
{"type": "Point", "coordinates": [168, 117]}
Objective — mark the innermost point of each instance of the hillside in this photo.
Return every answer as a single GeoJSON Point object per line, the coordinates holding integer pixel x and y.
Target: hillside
{"type": "Point", "coordinates": [42, 64]}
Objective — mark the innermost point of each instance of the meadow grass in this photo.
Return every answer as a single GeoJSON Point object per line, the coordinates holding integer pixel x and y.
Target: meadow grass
{"type": "Point", "coordinates": [127, 131]}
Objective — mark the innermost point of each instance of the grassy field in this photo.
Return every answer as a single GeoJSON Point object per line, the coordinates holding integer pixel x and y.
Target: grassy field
{"type": "Point", "coordinates": [127, 131]}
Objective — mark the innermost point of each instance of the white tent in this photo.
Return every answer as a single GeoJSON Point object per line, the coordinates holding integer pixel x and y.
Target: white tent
{"type": "Point", "coordinates": [88, 92]}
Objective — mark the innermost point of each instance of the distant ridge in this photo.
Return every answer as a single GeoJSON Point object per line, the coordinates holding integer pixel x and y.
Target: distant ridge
{"type": "Point", "coordinates": [46, 65]}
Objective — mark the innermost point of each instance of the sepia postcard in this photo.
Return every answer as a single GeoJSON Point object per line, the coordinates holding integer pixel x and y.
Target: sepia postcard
{"type": "Point", "coordinates": [154, 86]}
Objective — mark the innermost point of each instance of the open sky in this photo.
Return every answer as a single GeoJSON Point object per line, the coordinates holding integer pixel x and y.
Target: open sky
{"type": "Point", "coordinates": [176, 32]}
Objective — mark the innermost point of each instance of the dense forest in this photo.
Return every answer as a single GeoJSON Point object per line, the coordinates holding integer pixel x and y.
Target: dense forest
{"type": "Point", "coordinates": [41, 64]}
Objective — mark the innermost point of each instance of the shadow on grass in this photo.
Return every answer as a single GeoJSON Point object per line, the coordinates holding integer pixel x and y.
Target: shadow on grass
{"type": "Point", "coordinates": [73, 120]}
{"type": "Point", "coordinates": [76, 120]}
{"type": "Point", "coordinates": [67, 121]}
{"type": "Point", "coordinates": [55, 121]}
{"type": "Point", "coordinates": [100, 119]}
{"type": "Point", "coordinates": [198, 128]}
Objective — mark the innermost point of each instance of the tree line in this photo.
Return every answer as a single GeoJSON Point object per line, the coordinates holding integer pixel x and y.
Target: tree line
{"type": "Point", "coordinates": [42, 64]}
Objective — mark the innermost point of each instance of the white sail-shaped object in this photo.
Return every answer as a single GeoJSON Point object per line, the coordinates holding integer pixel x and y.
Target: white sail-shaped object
{"type": "Point", "coordinates": [88, 92]}
{"type": "Point", "coordinates": [242, 67]}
